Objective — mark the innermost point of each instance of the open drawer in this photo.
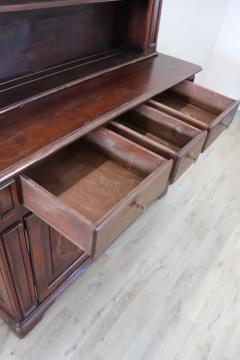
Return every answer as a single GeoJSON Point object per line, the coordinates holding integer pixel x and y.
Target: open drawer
{"type": "Point", "coordinates": [163, 134]}
{"type": "Point", "coordinates": [95, 188]}
{"type": "Point", "coordinates": [199, 107]}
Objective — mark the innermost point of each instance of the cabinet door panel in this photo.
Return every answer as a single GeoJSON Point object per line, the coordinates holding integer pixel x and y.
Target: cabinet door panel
{"type": "Point", "coordinates": [7, 300]}
{"type": "Point", "coordinates": [8, 204]}
{"type": "Point", "coordinates": [64, 253]}
{"type": "Point", "coordinates": [54, 257]}
{"type": "Point", "coordinates": [19, 265]}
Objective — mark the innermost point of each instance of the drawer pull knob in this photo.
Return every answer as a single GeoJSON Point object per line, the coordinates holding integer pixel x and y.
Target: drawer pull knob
{"type": "Point", "coordinates": [139, 206]}
{"type": "Point", "coordinates": [192, 158]}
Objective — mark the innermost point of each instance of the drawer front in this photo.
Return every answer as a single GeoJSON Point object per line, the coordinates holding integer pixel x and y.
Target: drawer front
{"type": "Point", "coordinates": [198, 106]}
{"type": "Point", "coordinates": [154, 187]}
{"type": "Point", "coordinates": [188, 156]}
{"type": "Point", "coordinates": [9, 204]}
{"type": "Point", "coordinates": [181, 162]}
{"type": "Point", "coordinates": [228, 117]}
{"type": "Point", "coordinates": [111, 229]}
{"type": "Point", "coordinates": [217, 128]}
{"type": "Point", "coordinates": [213, 134]}
{"type": "Point", "coordinates": [65, 220]}
{"type": "Point", "coordinates": [189, 151]}
{"type": "Point", "coordinates": [118, 187]}
{"type": "Point", "coordinates": [150, 126]}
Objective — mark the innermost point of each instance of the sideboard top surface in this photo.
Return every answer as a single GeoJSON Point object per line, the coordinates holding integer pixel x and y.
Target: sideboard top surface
{"type": "Point", "coordinates": [40, 127]}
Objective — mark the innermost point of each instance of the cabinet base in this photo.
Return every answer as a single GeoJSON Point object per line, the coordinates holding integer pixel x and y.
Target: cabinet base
{"type": "Point", "coordinates": [22, 328]}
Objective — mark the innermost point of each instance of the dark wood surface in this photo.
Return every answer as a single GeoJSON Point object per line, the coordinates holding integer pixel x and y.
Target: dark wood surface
{"type": "Point", "coordinates": [54, 257]}
{"type": "Point", "coordinates": [22, 328]}
{"type": "Point", "coordinates": [154, 173]}
{"type": "Point", "coordinates": [67, 68]}
{"type": "Point", "coordinates": [162, 134]}
{"type": "Point", "coordinates": [9, 204]}
{"type": "Point", "coordinates": [198, 106]}
{"type": "Point", "coordinates": [34, 41]}
{"type": "Point", "coordinates": [154, 20]}
{"type": "Point", "coordinates": [33, 86]}
{"type": "Point", "coordinates": [9, 303]}
{"type": "Point", "coordinates": [25, 5]}
{"type": "Point", "coordinates": [20, 267]}
{"type": "Point", "coordinates": [39, 128]}
{"type": "Point", "coordinates": [90, 180]}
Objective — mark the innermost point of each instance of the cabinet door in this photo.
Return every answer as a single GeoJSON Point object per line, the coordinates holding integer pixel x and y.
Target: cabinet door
{"type": "Point", "coordinates": [54, 258]}
{"type": "Point", "coordinates": [8, 301]}
{"type": "Point", "coordinates": [18, 260]}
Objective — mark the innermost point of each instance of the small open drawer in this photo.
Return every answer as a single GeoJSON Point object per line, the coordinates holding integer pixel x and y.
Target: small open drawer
{"type": "Point", "coordinates": [199, 107]}
{"type": "Point", "coordinates": [94, 189]}
{"type": "Point", "coordinates": [163, 134]}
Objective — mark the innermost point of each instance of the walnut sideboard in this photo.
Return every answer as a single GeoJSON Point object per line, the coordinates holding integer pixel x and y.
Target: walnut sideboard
{"type": "Point", "coordinates": [94, 126]}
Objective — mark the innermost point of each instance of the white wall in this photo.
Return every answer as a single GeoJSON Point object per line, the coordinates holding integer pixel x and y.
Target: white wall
{"type": "Point", "coordinates": [223, 70]}
{"type": "Point", "coordinates": [207, 33]}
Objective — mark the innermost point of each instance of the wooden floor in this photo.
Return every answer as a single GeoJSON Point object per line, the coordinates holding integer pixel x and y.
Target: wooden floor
{"type": "Point", "coordinates": [168, 288]}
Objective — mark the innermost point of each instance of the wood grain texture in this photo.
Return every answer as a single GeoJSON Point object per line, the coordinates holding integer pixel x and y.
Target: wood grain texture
{"type": "Point", "coordinates": [91, 181]}
{"type": "Point", "coordinates": [40, 128]}
{"type": "Point", "coordinates": [165, 289]}
{"type": "Point", "coordinates": [66, 70]}
{"type": "Point", "coordinates": [34, 41]}
{"type": "Point", "coordinates": [15, 5]}
{"type": "Point", "coordinates": [61, 217]}
{"type": "Point", "coordinates": [58, 78]}
{"type": "Point", "coordinates": [198, 106]}
{"type": "Point", "coordinates": [9, 304]}
{"type": "Point", "coordinates": [54, 257]}
{"type": "Point", "coordinates": [162, 134]}
{"type": "Point", "coordinates": [9, 204]}
{"type": "Point", "coordinates": [20, 267]}
{"type": "Point", "coordinates": [36, 46]}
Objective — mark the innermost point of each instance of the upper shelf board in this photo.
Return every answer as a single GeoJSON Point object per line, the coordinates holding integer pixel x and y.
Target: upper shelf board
{"type": "Point", "coordinates": [15, 6]}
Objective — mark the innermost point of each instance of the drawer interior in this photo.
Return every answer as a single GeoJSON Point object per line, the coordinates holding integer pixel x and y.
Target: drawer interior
{"type": "Point", "coordinates": [186, 106]}
{"type": "Point", "coordinates": [156, 126]}
{"type": "Point", "coordinates": [194, 101]}
{"type": "Point", "coordinates": [95, 173]}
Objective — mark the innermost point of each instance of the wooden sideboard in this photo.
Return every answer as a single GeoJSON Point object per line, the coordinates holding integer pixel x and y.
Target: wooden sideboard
{"type": "Point", "coordinates": [94, 126]}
